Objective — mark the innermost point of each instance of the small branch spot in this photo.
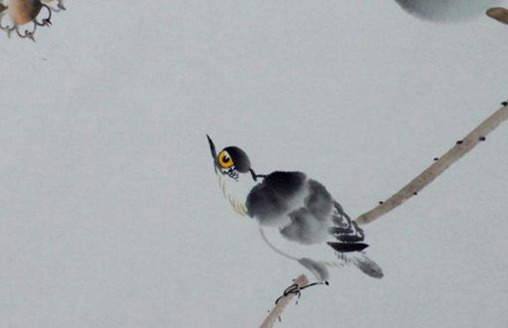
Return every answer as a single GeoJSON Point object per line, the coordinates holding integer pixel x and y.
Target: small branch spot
{"type": "Point", "coordinates": [482, 138]}
{"type": "Point", "coordinates": [415, 193]}
{"type": "Point", "coordinates": [436, 159]}
{"type": "Point", "coordinates": [380, 202]}
{"type": "Point", "coordinates": [459, 142]}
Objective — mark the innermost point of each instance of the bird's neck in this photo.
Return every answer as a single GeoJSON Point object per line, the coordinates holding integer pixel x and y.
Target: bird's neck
{"type": "Point", "coordinates": [235, 192]}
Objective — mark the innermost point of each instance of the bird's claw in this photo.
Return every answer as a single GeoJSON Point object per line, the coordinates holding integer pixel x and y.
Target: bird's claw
{"type": "Point", "coordinates": [293, 289]}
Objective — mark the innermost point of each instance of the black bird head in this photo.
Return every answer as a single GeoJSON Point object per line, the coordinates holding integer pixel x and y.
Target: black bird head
{"type": "Point", "coordinates": [231, 161]}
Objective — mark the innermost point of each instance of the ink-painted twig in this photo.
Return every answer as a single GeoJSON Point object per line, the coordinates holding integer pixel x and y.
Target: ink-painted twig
{"type": "Point", "coordinates": [499, 14]}
{"type": "Point", "coordinates": [282, 303]}
{"type": "Point", "coordinates": [461, 148]}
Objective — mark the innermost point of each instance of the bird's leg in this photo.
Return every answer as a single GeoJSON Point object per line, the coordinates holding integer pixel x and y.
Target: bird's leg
{"type": "Point", "coordinates": [315, 284]}
{"type": "Point", "coordinates": [256, 176]}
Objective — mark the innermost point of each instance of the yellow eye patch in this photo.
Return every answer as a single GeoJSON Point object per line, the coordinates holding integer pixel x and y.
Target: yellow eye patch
{"type": "Point", "coordinates": [225, 161]}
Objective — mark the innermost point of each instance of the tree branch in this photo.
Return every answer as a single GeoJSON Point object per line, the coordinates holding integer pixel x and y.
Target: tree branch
{"type": "Point", "coordinates": [283, 303]}
{"type": "Point", "coordinates": [461, 148]}
{"type": "Point", "coordinates": [499, 14]}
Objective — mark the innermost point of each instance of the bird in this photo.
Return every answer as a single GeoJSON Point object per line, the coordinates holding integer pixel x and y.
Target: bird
{"type": "Point", "coordinates": [295, 209]}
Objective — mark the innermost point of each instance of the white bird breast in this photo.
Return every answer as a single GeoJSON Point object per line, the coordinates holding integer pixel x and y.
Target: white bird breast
{"type": "Point", "coordinates": [236, 203]}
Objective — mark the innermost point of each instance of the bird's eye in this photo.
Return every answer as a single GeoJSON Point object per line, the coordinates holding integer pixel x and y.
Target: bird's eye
{"type": "Point", "coordinates": [225, 160]}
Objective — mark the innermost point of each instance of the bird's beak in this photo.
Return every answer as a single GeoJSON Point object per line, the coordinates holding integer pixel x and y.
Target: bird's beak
{"type": "Point", "coordinates": [214, 153]}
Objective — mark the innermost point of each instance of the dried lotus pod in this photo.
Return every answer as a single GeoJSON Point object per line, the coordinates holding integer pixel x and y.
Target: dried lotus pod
{"type": "Point", "coordinates": [499, 14]}
{"type": "Point", "coordinates": [23, 16]}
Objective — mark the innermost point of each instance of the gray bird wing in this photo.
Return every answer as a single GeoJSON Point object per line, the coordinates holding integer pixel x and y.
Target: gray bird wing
{"type": "Point", "coordinates": [310, 218]}
{"type": "Point", "coordinates": [301, 208]}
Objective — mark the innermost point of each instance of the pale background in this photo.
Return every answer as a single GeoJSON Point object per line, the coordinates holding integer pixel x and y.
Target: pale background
{"type": "Point", "coordinates": [110, 215]}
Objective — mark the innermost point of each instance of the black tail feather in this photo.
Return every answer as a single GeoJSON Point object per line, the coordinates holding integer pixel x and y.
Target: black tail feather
{"type": "Point", "coordinates": [347, 247]}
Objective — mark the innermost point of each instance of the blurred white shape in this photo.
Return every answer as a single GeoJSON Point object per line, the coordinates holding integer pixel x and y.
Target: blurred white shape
{"type": "Point", "coordinates": [447, 10]}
